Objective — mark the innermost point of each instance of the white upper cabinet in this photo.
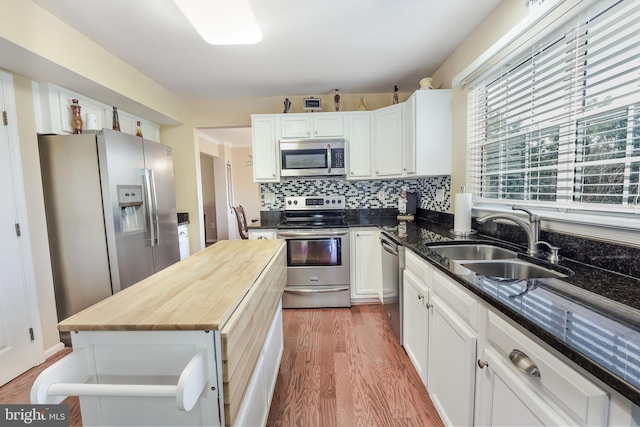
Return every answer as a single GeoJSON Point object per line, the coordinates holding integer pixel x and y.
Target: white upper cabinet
{"type": "Point", "coordinates": [359, 145]}
{"type": "Point", "coordinates": [266, 165]}
{"type": "Point", "coordinates": [53, 113]}
{"type": "Point", "coordinates": [405, 140]}
{"type": "Point", "coordinates": [388, 142]}
{"type": "Point", "coordinates": [312, 125]}
{"type": "Point", "coordinates": [427, 133]}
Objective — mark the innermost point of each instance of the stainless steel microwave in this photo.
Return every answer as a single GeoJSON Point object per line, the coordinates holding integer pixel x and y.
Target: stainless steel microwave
{"type": "Point", "coordinates": [312, 157]}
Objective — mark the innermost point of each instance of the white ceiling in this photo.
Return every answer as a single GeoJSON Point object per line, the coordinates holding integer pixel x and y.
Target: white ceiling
{"type": "Point", "coordinates": [308, 47]}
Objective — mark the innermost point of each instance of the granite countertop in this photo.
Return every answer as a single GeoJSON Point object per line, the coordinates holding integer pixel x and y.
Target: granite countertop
{"type": "Point", "coordinates": [592, 316]}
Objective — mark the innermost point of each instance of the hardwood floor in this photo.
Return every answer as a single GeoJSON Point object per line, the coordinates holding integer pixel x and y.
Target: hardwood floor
{"type": "Point", "coordinates": [17, 390]}
{"type": "Point", "coordinates": [344, 367]}
{"type": "Point", "coordinates": [340, 367]}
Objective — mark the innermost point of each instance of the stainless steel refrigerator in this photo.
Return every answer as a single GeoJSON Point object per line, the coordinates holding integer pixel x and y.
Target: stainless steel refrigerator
{"type": "Point", "coordinates": [111, 213]}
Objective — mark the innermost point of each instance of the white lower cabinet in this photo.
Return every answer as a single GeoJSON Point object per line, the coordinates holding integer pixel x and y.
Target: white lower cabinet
{"type": "Point", "coordinates": [415, 322]}
{"type": "Point", "coordinates": [262, 234]}
{"type": "Point", "coordinates": [548, 391]}
{"type": "Point", "coordinates": [452, 361]}
{"type": "Point", "coordinates": [366, 271]}
{"type": "Point", "coordinates": [463, 350]}
{"type": "Point", "coordinates": [257, 399]}
{"type": "Point", "coordinates": [505, 399]}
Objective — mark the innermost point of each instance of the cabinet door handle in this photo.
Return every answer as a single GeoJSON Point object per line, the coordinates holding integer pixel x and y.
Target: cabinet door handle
{"type": "Point", "coordinates": [429, 305]}
{"type": "Point", "coordinates": [482, 363]}
{"type": "Point", "coordinates": [524, 363]}
{"type": "Point", "coordinates": [420, 296]}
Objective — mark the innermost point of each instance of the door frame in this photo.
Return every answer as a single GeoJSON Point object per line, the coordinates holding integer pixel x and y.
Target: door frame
{"type": "Point", "coordinates": [24, 242]}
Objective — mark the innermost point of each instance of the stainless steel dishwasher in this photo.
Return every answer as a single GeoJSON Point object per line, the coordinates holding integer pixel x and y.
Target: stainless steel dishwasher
{"type": "Point", "coordinates": [392, 268]}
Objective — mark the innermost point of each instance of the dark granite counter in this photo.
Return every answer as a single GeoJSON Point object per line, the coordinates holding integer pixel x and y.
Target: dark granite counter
{"type": "Point", "coordinates": [592, 316]}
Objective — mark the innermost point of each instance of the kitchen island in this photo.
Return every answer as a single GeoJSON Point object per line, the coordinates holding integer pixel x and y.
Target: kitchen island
{"type": "Point", "coordinates": [198, 343]}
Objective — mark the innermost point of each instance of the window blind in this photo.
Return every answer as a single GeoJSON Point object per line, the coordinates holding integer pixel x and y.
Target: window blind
{"type": "Point", "coordinates": [560, 124]}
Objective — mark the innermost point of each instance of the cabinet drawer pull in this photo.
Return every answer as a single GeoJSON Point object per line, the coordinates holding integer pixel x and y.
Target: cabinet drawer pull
{"type": "Point", "coordinates": [482, 363]}
{"type": "Point", "coordinates": [524, 363]}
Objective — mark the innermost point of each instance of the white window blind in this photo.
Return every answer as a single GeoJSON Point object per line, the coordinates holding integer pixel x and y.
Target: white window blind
{"type": "Point", "coordinates": [559, 125]}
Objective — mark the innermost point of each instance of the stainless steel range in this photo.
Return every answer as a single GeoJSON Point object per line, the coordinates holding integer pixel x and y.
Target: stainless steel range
{"type": "Point", "coordinates": [317, 239]}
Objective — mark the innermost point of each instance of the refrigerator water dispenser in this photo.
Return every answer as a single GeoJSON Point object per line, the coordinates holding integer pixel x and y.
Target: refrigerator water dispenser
{"type": "Point", "coordinates": [131, 208]}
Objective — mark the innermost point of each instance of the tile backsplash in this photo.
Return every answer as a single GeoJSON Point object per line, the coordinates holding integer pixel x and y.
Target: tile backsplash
{"type": "Point", "coordinates": [362, 194]}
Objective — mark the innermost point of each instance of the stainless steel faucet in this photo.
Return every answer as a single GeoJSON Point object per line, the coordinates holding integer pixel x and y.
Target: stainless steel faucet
{"type": "Point", "coordinates": [532, 228]}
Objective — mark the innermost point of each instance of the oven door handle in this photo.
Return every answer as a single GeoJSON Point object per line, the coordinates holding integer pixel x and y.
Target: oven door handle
{"type": "Point", "coordinates": [311, 233]}
{"type": "Point", "coordinates": [306, 291]}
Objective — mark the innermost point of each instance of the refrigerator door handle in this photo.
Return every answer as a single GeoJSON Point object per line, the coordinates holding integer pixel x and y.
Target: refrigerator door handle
{"type": "Point", "coordinates": [149, 207]}
{"type": "Point", "coordinates": [156, 220]}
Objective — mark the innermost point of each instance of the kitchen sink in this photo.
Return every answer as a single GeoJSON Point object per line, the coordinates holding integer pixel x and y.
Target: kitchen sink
{"type": "Point", "coordinates": [511, 269]}
{"type": "Point", "coordinates": [473, 252]}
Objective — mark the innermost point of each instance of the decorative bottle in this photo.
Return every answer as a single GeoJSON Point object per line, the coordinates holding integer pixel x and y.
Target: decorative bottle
{"type": "Point", "coordinates": [395, 94]}
{"type": "Point", "coordinates": [116, 119]}
{"type": "Point", "coordinates": [76, 118]}
{"type": "Point", "coordinates": [362, 107]}
{"type": "Point", "coordinates": [138, 129]}
{"type": "Point", "coordinates": [336, 100]}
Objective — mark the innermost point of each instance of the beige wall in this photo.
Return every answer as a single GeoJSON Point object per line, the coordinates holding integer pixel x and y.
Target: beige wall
{"type": "Point", "coordinates": [503, 19]}
{"type": "Point", "coordinates": [246, 192]}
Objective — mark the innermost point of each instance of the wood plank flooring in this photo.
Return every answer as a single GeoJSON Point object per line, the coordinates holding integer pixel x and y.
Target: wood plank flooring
{"type": "Point", "coordinates": [340, 367]}
{"type": "Point", "coordinates": [344, 367]}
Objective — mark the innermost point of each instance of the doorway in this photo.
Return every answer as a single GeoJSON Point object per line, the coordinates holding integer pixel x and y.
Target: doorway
{"type": "Point", "coordinates": [207, 177]}
{"type": "Point", "coordinates": [230, 152]}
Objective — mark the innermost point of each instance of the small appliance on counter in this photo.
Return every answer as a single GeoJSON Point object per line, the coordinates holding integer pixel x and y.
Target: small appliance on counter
{"type": "Point", "coordinates": [407, 205]}
{"type": "Point", "coordinates": [462, 214]}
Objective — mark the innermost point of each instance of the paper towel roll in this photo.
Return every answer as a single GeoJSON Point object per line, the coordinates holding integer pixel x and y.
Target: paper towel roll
{"type": "Point", "coordinates": [462, 214]}
{"type": "Point", "coordinates": [92, 122]}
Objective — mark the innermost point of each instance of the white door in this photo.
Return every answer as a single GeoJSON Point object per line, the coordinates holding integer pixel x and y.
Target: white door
{"type": "Point", "coordinates": [16, 354]}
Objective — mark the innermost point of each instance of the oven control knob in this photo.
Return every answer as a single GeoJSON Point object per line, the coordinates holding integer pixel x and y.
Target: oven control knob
{"type": "Point", "coordinates": [327, 201]}
{"type": "Point", "coordinates": [289, 202]}
{"type": "Point", "coordinates": [339, 201]}
{"type": "Point", "coordinates": [333, 201]}
{"type": "Point", "coordinates": [295, 202]}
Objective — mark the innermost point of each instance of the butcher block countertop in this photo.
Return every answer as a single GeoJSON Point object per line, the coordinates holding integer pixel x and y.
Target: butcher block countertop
{"type": "Point", "coordinates": [198, 293]}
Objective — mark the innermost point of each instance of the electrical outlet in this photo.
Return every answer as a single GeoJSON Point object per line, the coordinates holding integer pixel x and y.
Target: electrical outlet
{"type": "Point", "coordinates": [269, 198]}
{"type": "Point", "coordinates": [381, 195]}
{"type": "Point", "coordinates": [213, 225]}
{"type": "Point", "coordinates": [440, 195]}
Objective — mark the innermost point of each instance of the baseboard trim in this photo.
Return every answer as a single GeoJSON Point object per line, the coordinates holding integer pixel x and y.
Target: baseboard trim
{"type": "Point", "coordinates": [53, 350]}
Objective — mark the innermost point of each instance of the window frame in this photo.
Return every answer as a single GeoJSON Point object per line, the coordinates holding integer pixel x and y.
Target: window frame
{"type": "Point", "coordinates": [614, 220]}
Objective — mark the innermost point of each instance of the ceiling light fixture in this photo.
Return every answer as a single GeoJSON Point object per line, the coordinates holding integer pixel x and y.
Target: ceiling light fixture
{"type": "Point", "coordinates": [222, 22]}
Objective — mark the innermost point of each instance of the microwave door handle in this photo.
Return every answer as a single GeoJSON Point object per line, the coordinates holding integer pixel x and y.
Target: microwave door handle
{"type": "Point", "coordinates": [329, 157]}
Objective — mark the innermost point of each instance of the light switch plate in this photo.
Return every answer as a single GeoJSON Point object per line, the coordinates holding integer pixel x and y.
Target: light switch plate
{"type": "Point", "coordinates": [269, 198]}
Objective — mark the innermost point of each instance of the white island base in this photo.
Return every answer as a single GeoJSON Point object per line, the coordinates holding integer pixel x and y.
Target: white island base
{"type": "Point", "coordinates": [157, 378]}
